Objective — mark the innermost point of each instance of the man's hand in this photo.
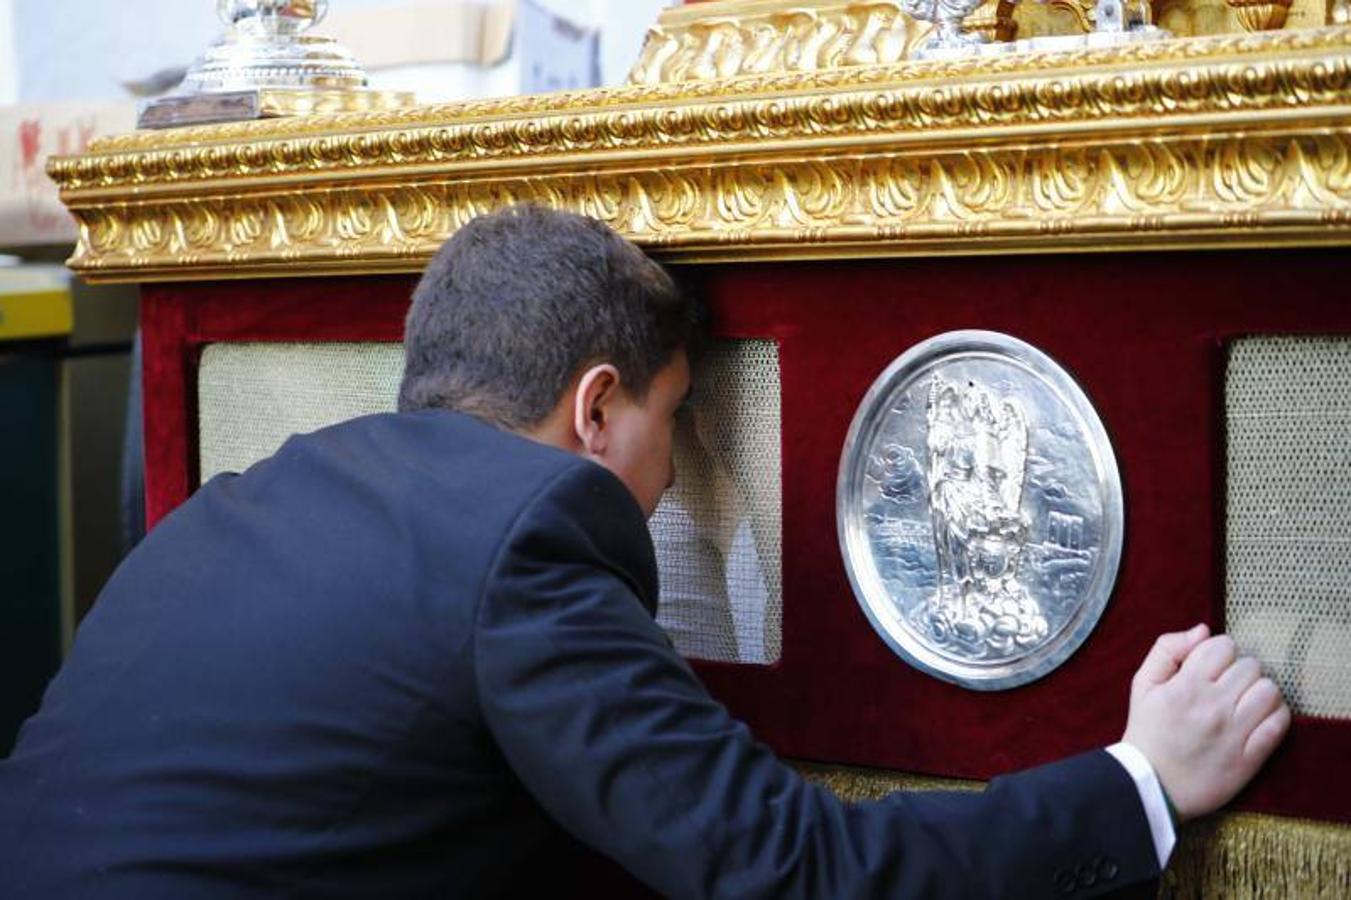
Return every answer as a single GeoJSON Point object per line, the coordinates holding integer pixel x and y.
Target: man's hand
{"type": "Point", "coordinates": [1204, 717]}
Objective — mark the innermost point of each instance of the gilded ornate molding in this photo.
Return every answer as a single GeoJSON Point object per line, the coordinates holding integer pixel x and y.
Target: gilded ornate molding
{"type": "Point", "coordinates": [721, 39]}
{"type": "Point", "coordinates": [753, 37]}
{"type": "Point", "coordinates": [1203, 142]}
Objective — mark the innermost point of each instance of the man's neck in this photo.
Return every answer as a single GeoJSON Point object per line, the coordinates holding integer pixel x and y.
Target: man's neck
{"type": "Point", "coordinates": [555, 429]}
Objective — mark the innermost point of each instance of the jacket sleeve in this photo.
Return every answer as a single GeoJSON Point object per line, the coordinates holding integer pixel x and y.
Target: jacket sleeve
{"type": "Point", "coordinates": [611, 731]}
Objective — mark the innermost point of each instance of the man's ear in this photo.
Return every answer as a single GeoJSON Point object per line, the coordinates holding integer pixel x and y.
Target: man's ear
{"type": "Point", "coordinates": [597, 390]}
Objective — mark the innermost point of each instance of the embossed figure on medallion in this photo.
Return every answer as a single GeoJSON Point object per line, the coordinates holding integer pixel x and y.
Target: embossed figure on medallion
{"type": "Point", "coordinates": [977, 460]}
{"type": "Point", "coordinates": [979, 510]}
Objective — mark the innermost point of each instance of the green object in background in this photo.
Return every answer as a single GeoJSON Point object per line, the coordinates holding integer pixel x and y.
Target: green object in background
{"type": "Point", "coordinates": [30, 556]}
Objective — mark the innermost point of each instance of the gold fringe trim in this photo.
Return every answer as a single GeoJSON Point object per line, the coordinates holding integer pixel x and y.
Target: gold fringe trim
{"type": "Point", "coordinates": [1244, 855]}
{"type": "Point", "coordinates": [854, 785]}
{"type": "Point", "coordinates": [1234, 856]}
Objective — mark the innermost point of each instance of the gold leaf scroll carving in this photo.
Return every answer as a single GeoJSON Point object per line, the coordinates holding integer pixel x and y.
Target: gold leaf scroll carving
{"type": "Point", "coordinates": [724, 39]}
{"type": "Point", "coordinates": [1068, 191]}
{"type": "Point", "coordinates": [752, 39]}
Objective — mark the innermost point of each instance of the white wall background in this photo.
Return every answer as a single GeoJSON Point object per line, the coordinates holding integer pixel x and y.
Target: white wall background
{"type": "Point", "coordinates": [9, 63]}
{"type": "Point", "coordinates": [623, 25]}
{"type": "Point", "coordinates": [85, 49]}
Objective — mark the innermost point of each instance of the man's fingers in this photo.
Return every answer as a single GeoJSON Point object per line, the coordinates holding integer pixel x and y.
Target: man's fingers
{"type": "Point", "coordinates": [1266, 736]}
{"type": "Point", "coordinates": [1236, 679]}
{"type": "Point", "coordinates": [1258, 702]}
{"type": "Point", "coordinates": [1211, 657]}
{"type": "Point", "coordinates": [1168, 652]}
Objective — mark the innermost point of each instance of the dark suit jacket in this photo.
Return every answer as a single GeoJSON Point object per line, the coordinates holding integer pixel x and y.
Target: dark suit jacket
{"type": "Point", "coordinates": [392, 660]}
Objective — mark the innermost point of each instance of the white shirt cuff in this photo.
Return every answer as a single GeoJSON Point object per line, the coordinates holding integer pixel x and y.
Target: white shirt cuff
{"type": "Point", "coordinates": [1151, 797]}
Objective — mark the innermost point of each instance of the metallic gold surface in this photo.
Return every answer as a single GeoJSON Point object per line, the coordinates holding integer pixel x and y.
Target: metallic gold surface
{"type": "Point", "coordinates": [854, 785]}
{"type": "Point", "coordinates": [749, 37]}
{"type": "Point", "coordinates": [731, 37]}
{"type": "Point", "coordinates": [1242, 855]}
{"type": "Point", "coordinates": [1233, 856]}
{"type": "Point", "coordinates": [280, 102]}
{"type": "Point", "coordinates": [993, 20]}
{"type": "Point", "coordinates": [1261, 15]}
{"type": "Point", "coordinates": [1237, 140]}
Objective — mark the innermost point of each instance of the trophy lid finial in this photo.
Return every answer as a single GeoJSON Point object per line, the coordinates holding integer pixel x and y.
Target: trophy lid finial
{"type": "Point", "coordinates": [289, 16]}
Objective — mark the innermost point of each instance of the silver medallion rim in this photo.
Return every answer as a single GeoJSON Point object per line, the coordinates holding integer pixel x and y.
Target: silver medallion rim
{"type": "Point", "coordinates": [855, 548]}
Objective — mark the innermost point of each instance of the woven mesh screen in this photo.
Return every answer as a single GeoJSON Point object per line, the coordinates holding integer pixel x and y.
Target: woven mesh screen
{"type": "Point", "coordinates": [717, 533]}
{"type": "Point", "coordinates": [252, 397]}
{"type": "Point", "coordinates": [718, 530]}
{"type": "Point", "coordinates": [1288, 565]}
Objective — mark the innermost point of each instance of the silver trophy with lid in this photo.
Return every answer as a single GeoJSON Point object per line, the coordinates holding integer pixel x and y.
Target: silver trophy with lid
{"type": "Point", "coordinates": [268, 63]}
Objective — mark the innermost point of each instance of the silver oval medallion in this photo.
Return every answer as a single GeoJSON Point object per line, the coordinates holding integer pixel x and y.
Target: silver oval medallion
{"type": "Point", "coordinates": [979, 510]}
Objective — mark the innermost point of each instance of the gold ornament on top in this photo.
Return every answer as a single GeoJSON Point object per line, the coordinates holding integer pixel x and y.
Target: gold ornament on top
{"type": "Point", "coordinates": [724, 38]}
{"type": "Point", "coordinates": [804, 38]}
{"type": "Point", "coordinates": [738, 37]}
{"type": "Point", "coordinates": [1261, 15]}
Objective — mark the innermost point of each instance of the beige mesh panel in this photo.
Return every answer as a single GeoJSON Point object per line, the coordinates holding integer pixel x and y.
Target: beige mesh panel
{"type": "Point", "coordinates": [252, 397]}
{"type": "Point", "coordinates": [717, 533]}
{"type": "Point", "coordinates": [718, 529]}
{"type": "Point", "coordinates": [1288, 565]}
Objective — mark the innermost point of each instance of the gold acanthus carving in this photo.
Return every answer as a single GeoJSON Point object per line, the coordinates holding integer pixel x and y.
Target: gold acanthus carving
{"type": "Point", "coordinates": [722, 39]}
{"type": "Point", "coordinates": [749, 39]}
{"type": "Point", "coordinates": [1263, 188]}
{"type": "Point", "coordinates": [1083, 12]}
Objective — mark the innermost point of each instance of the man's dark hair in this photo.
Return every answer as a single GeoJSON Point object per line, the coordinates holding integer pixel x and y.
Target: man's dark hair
{"type": "Point", "coordinates": [518, 302]}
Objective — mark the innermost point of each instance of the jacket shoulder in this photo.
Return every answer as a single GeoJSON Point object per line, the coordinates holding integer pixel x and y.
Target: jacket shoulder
{"type": "Point", "coordinates": [584, 517]}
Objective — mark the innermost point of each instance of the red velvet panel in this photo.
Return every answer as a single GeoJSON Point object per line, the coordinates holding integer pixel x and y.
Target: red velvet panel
{"type": "Point", "coordinates": [177, 320]}
{"type": "Point", "coordinates": [1144, 333]}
